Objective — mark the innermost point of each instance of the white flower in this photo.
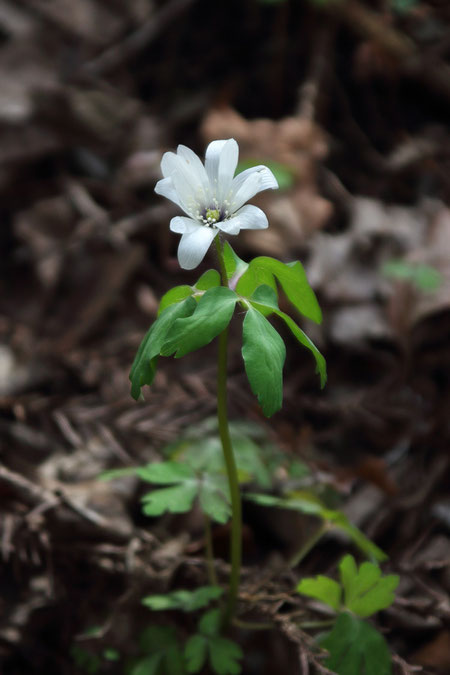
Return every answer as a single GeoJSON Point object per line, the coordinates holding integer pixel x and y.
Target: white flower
{"type": "Point", "coordinates": [211, 197]}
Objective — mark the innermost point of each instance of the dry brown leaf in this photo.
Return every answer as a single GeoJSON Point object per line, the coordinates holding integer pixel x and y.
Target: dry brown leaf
{"type": "Point", "coordinates": [295, 142]}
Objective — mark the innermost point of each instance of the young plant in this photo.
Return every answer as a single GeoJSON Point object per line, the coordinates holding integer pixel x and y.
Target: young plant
{"type": "Point", "coordinates": [190, 317]}
{"type": "Point", "coordinates": [355, 646]}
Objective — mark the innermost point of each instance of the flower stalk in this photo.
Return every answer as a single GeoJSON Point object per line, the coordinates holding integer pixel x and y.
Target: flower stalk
{"type": "Point", "coordinates": [230, 464]}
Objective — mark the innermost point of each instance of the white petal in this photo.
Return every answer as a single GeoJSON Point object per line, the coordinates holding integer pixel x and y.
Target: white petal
{"type": "Point", "coordinates": [230, 226]}
{"type": "Point", "coordinates": [181, 224]}
{"type": "Point", "coordinates": [251, 181]}
{"type": "Point", "coordinates": [166, 188]}
{"type": "Point", "coordinates": [194, 166]}
{"type": "Point", "coordinates": [220, 163]}
{"type": "Point", "coordinates": [169, 163]}
{"type": "Point", "coordinates": [188, 175]}
{"type": "Point", "coordinates": [250, 217]}
{"type": "Point", "coordinates": [193, 246]}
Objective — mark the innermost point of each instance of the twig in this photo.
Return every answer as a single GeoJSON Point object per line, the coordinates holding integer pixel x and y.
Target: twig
{"type": "Point", "coordinates": [42, 500]}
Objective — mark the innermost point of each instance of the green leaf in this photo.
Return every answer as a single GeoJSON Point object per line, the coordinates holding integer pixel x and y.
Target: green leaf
{"type": "Point", "coordinates": [254, 278]}
{"type": "Point", "coordinates": [174, 296]}
{"type": "Point", "coordinates": [293, 281]}
{"type": "Point", "coordinates": [212, 490]}
{"type": "Point", "coordinates": [209, 279]}
{"type": "Point", "coordinates": [264, 353]}
{"type": "Point", "coordinates": [149, 665]}
{"type": "Point", "coordinates": [423, 277]}
{"type": "Point", "coordinates": [264, 297]}
{"type": "Point", "coordinates": [155, 638]}
{"type": "Point", "coordinates": [356, 648]}
{"type": "Point", "coordinates": [341, 522]}
{"type": "Point", "coordinates": [177, 499]}
{"type": "Point", "coordinates": [234, 266]}
{"type": "Point", "coordinates": [211, 316]}
{"type": "Point", "coordinates": [322, 588]}
{"type": "Point", "coordinates": [195, 653]}
{"type": "Point", "coordinates": [165, 472]}
{"type": "Point", "coordinates": [110, 654]}
{"type": "Point", "coordinates": [209, 623]}
{"type": "Point", "coordinates": [366, 590]}
{"type": "Point", "coordinates": [174, 661]}
{"type": "Point", "coordinates": [144, 365]}
{"type": "Point", "coordinates": [186, 601]}
{"type": "Point", "coordinates": [214, 498]}
{"type": "Point", "coordinates": [284, 174]}
{"type": "Point", "coordinates": [309, 504]}
{"type": "Point", "coordinates": [224, 655]}
{"type": "Point", "coordinates": [86, 661]}
{"type": "Point", "coordinates": [200, 447]}
{"type": "Point", "coordinates": [112, 474]}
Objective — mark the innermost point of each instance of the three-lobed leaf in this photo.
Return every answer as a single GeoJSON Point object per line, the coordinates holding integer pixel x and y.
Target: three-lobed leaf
{"type": "Point", "coordinates": [211, 316]}
{"type": "Point", "coordinates": [211, 489]}
{"type": "Point", "coordinates": [223, 654]}
{"type": "Point", "coordinates": [367, 591]}
{"type": "Point", "coordinates": [161, 651]}
{"type": "Point", "coordinates": [356, 648]}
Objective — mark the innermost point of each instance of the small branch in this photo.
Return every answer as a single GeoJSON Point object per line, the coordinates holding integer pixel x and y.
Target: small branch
{"type": "Point", "coordinates": [41, 500]}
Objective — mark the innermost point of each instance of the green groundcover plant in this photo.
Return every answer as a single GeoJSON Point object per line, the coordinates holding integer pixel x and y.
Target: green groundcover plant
{"type": "Point", "coordinates": [211, 470]}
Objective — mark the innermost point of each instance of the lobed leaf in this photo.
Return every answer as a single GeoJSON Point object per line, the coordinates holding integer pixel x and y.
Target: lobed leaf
{"type": "Point", "coordinates": [291, 277]}
{"type": "Point", "coordinates": [366, 590]}
{"type": "Point", "coordinates": [224, 655]}
{"type": "Point", "coordinates": [356, 648]}
{"type": "Point", "coordinates": [211, 316]}
{"type": "Point", "coordinates": [177, 499]}
{"type": "Point", "coordinates": [214, 498]}
{"type": "Point", "coordinates": [322, 588]}
{"type": "Point", "coordinates": [195, 653]}
{"type": "Point", "coordinates": [165, 472]}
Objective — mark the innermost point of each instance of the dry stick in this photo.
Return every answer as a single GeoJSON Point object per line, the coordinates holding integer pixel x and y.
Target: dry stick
{"type": "Point", "coordinates": [121, 52]}
{"type": "Point", "coordinates": [41, 499]}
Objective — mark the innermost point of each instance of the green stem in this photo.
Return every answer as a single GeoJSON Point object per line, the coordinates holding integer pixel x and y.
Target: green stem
{"type": "Point", "coordinates": [308, 545]}
{"type": "Point", "coordinates": [230, 463]}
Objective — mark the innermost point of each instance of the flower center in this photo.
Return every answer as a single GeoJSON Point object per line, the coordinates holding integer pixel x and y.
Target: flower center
{"type": "Point", "coordinates": [212, 216]}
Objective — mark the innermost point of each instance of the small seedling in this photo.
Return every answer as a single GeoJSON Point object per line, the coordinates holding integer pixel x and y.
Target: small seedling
{"type": "Point", "coordinates": [355, 647]}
